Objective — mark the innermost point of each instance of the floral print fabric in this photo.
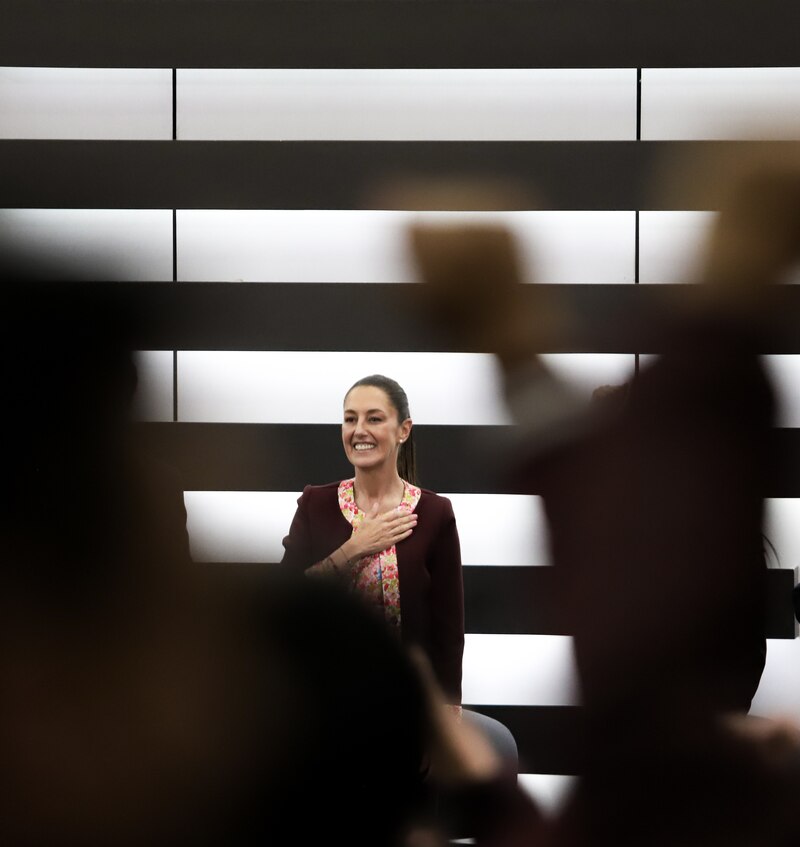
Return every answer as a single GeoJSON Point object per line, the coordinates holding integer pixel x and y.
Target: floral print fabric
{"type": "Point", "coordinates": [377, 576]}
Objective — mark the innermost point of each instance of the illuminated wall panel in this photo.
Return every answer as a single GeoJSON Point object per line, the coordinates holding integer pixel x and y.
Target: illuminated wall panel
{"type": "Point", "coordinates": [672, 244]}
{"type": "Point", "coordinates": [782, 528]}
{"type": "Point", "coordinates": [587, 371]}
{"type": "Point", "coordinates": [407, 104]}
{"type": "Point", "coordinates": [111, 103]}
{"type": "Point", "coordinates": [153, 398]}
{"type": "Point", "coordinates": [784, 371]}
{"type": "Point", "coordinates": [549, 791]}
{"type": "Point", "coordinates": [708, 103]}
{"type": "Point", "coordinates": [239, 526]}
{"type": "Point", "coordinates": [523, 540]}
{"type": "Point", "coordinates": [96, 244]}
{"type": "Point", "coordinates": [779, 691]}
{"type": "Point", "coordinates": [309, 387]}
{"type": "Point", "coordinates": [519, 670]}
{"type": "Point", "coordinates": [249, 526]}
{"type": "Point", "coordinates": [371, 246]}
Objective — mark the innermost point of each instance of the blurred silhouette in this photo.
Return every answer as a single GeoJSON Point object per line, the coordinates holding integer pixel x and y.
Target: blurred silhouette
{"type": "Point", "coordinates": [148, 700]}
{"type": "Point", "coordinates": [76, 486]}
{"type": "Point", "coordinates": [654, 507]}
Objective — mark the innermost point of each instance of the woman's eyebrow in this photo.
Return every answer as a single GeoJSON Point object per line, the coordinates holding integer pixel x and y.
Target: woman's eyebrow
{"type": "Point", "coordinates": [369, 412]}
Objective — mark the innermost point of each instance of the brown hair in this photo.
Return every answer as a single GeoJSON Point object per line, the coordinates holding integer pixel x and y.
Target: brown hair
{"type": "Point", "coordinates": [406, 455]}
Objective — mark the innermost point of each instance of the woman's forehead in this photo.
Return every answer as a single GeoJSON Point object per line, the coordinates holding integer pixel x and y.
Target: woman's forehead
{"type": "Point", "coordinates": [367, 397]}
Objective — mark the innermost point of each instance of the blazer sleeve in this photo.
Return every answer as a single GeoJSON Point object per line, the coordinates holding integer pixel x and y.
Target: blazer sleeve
{"type": "Point", "coordinates": [297, 544]}
{"type": "Point", "coordinates": [447, 606]}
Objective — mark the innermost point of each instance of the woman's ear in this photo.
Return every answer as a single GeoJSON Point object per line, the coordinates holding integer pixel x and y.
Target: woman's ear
{"type": "Point", "coordinates": [405, 429]}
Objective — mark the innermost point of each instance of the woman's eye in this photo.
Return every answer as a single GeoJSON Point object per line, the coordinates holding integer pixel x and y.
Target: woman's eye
{"type": "Point", "coordinates": [374, 420]}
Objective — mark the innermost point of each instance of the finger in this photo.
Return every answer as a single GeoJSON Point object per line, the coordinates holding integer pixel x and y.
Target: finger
{"type": "Point", "coordinates": [401, 526]}
{"type": "Point", "coordinates": [399, 515]}
{"type": "Point", "coordinates": [393, 519]}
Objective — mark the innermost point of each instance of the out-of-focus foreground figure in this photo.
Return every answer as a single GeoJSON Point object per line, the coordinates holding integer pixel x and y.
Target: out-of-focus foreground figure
{"type": "Point", "coordinates": [148, 700]}
{"type": "Point", "coordinates": [151, 700]}
{"type": "Point", "coordinates": [654, 508]}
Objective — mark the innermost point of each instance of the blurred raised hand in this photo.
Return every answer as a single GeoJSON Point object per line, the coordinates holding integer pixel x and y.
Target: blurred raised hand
{"type": "Point", "coordinates": [473, 289]}
{"type": "Point", "coordinates": [755, 239]}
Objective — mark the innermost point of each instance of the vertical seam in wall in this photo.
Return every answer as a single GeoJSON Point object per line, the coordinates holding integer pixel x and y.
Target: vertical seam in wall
{"type": "Point", "coordinates": [174, 280]}
{"type": "Point", "coordinates": [636, 213]}
{"type": "Point", "coordinates": [174, 244]}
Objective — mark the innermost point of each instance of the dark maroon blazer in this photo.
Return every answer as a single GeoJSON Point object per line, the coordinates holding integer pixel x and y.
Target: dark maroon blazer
{"type": "Point", "coordinates": [428, 564]}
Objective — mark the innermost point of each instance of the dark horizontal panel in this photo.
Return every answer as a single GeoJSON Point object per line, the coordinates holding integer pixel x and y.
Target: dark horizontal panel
{"type": "Point", "coordinates": [622, 318]}
{"type": "Point", "coordinates": [785, 449]}
{"type": "Point", "coordinates": [520, 600]}
{"type": "Point", "coordinates": [781, 619]}
{"type": "Point", "coordinates": [398, 33]}
{"type": "Point", "coordinates": [583, 175]}
{"type": "Point", "coordinates": [285, 457]}
{"type": "Point", "coordinates": [550, 739]}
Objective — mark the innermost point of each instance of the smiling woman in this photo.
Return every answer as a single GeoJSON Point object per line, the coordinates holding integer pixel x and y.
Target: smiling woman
{"type": "Point", "coordinates": [394, 543]}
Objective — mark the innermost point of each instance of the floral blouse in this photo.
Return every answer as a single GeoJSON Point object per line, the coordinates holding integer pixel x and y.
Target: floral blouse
{"type": "Point", "coordinates": [376, 575]}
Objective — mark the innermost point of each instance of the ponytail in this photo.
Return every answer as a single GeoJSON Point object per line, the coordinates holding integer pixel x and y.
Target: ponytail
{"type": "Point", "coordinates": [407, 459]}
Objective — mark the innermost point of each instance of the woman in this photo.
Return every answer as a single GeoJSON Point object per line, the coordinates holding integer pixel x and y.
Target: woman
{"type": "Point", "coordinates": [395, 543]}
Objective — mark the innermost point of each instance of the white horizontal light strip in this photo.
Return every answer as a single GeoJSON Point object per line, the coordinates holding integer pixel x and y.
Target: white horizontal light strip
{"type": "Point", "coordinates": [153, 398]}
{"type": "Point", "coordinates": [587, 371]}
{"type": "Point", "coordinates": [784, 371]}
{"type": "Point", "coordinates": [93, 244]}
{"type": "Point", "coordinates": [519, 670]}
{"type": "Point", "coordinates": [249, 526]}
{"type": "Point", "coordinates": [309, 387]}
{"type": "Point", "coordinates": [718, 103]}
{"type": "Point", "coordinates": [782, 528]}
{"type": "Point", "coordinates": [548, 791]}
{"type": "Point", "coordinates": [522, 540]}
{"type": "Point", "coordinates": [778, 693]}
{"type": "Point", "coordinates": [239, 526]}
{"type": "Point", "coordinates": [407, 104]}
{"type": "Point", "coordinates": [372, 246]}
{"type": "Point", "coordinates": [86, 103]}
{"type": "Point", "coordinates": [671, 245]}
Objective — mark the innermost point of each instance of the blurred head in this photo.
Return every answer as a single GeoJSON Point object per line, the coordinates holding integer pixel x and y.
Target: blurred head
{"type": "Point", "coordinates": [242, 708]}
{"type": "Point", "coordinates": [377, 426]}
{"type": "Point", "coordinates": [68, 380]}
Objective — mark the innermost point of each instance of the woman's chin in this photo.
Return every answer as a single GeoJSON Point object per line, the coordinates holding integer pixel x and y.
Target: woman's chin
{"type": "Point", "coordinates": [366, 463]}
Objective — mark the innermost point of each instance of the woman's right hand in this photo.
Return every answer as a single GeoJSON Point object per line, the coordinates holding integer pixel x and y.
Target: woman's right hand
{"type": "Point", "coordinates": [379, 532]}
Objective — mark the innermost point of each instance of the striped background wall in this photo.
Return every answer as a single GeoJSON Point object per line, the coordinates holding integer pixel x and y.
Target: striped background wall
{"type": "Point", "coordinates": [223, 156]}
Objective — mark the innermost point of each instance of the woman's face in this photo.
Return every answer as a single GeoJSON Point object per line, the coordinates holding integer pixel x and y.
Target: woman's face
{"type": "Point", "coordinates": [371, 433]}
